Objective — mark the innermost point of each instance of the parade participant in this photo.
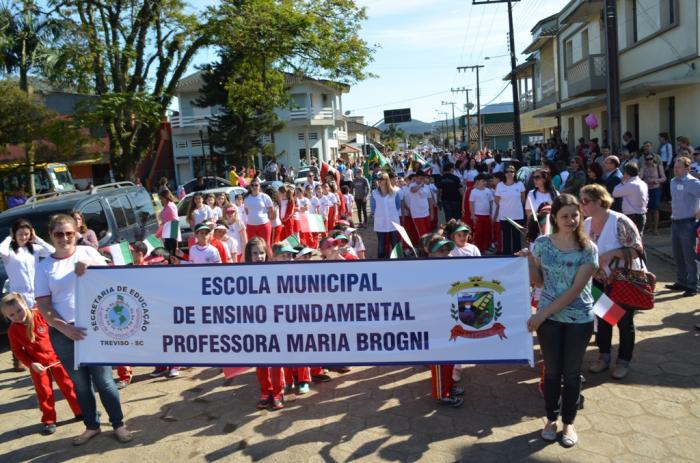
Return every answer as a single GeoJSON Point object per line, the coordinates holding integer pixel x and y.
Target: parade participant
{"type": "Point", "coordinates": [55, 288]}
{"type": "Point", "coordinates": [270, 379]}
{"type": "Point", "coordinates": [449, 194]}
{"type": "Point", "coordinates": [238, 202]}
{"type": "Point", "coordinates": [459, 233]}
{"type": "Point", "coordinates": [236, 231]}
{"type": "Point", "coordinates": [305, 254]}
{"type": "Point", "coordinates": [332, 202]}
{"type": "Point", "coordinates": [418, 200]}
{"type": "Point", "coordinates": [302, 205]}
{"type": "Point", "coordinates": [20, 253]}
{"type": "Point", "coordinates": [310, 180]}
{"type": "Point", "coordinates": [259, 211]}
{"type": "Point", "coordinates": [385, 204]}
{"type": "Point", "coordinates": [222, 201]}
{"type": "Point", "coordinates": [470, 173]}
{"type": "Point", "coordinates": [29, 341]}
{"type": "Point", "coordinates": [443, 388]}
{"type": "Point", "coordinates": [348, 200]}
{"type": "Point", "coordinates": [544, 192]}
{"type": "Point", "coordinates": [288, 209]}
{"type": "Point", "coordinates": [167, 214]}
{"type": "Point", "coordinates": [203, 252]}
{"type": "Point", "coordinates": [275, 221]}
{"type": "Point", "coordinates": [510, 196]}
{"type": "Point", "coordinates": [612, 233]}
{"type": "Point", "coordinates": [355, 242]}
{"type": "Point", "coordinates": [361, 190]}
{"type": "Point", "coordinates": [199, 211]}
{"type": "Point", "coordinates": [85, 237]}
{"type": "Point", "coordinates": [562, 264]}
{"type": "Point", "coordinates": [216, 211]}
{"type": "Point", "coordinates": [229, 245]}
{"type": "Point", "coordinates": [330, 249]}
{"type": "Point", "coordinates": [481, 201]}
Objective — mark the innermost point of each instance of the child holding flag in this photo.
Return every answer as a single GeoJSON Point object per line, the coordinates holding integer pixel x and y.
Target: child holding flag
{"type": "Point", "coordinates": [30, 343]}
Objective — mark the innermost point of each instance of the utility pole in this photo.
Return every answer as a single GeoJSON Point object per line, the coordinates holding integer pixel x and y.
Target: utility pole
{"type": "Point", "coordinates": [454, 128]}
{"type": "Point", "coordinates": [517, 135]}
{"type": "Point", "coordinates": [467, 138]}
{"type": "Point", "coordinates": [446, 141]}
{"type": "Point", "coordinates": [613, 68]}
{"type": "Point", "coordinates": [478, 102]}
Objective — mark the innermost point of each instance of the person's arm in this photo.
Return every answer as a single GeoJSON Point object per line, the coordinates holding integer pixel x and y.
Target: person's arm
{"type": "Point", "coordinates": [90, 238]}
{"type": "Point", "coordinates": [18, 349]}
{"type": "Point", "coordinates": [372, 204]}
{"type": "Point", "coordinates": [5, 247]}
{"type": "Point", "coordinates": [621, 190]}
{"type": "Point", "coordinates": [54, 320]}
{"type": "Point", "coordinates": [42, 248]}
{"type": "Point", "coordinates": [497, 202]}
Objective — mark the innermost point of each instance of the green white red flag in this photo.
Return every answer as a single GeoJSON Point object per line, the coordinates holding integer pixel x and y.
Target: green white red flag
{"type": "Point", "coordinates": [293, 241]}
{"type": "Point", "coordinates": [312, 223]}
{"type": "Point", "coordinates": [121, 254]}
{"type": "Point", "coordinates": [172, 230]}
{"type": "Point", "coordinates": [605, 308]}
{"type": "Point", "coordinates": [152, 242]}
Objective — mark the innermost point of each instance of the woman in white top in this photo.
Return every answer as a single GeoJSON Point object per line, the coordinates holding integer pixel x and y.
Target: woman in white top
{"type": "Point", "coordinates": [259, 209]}
{"type": "Point", "coordinates": [615, 234]}
{"type": "Point", "coordinates": [385, 203]}
{"type": "Point", "coordinates": [470, 173]}
{"type": "Point", "coordinates": [544, 192]}
{"type": "Point", "coordinates": [20, 253]}
{"type": "Point", "coordinates": [510, 196]}
{"type": "Point", "coordinates": [199, 211]}
{"type": "Point", "coordinates": [55, 288]}
{"type": "Point", "coordinates": [236, 231]}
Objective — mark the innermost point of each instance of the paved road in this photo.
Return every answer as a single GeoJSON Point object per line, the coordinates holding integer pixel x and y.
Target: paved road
{"type": "Point", "coordinates": [377, 414]}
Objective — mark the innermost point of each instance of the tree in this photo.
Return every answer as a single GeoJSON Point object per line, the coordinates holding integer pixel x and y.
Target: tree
{"type": "Point", "coordinates": [260, 43]}
{"type": "Point", "coordinates": [131, 53]}
{"type": "Point", "coordinates": [392, 136]}
{"type": "Point", "coordinates": [26, 38]}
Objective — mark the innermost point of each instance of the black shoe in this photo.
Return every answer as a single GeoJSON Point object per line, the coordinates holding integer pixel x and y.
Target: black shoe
{"type": "Point", "coordinates": [320, 378]}
{"type": "Point", "coordinates": [48, 429]}
{"type": "Point", "coordinates": [676, 287]}
{"type": "Point", "coordinates": [689, 293]}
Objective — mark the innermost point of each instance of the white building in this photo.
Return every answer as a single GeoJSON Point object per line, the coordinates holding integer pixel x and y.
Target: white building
{"type": "Point", "coordinates": [314, 127]}
{"type": "Point", "coordinates": [659, 61]}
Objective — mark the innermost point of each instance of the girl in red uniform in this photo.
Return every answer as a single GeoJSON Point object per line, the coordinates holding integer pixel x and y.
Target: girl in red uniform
{"type": "Point", "coordinates": [287, 210]}
{"type": "Point", "coordinates": [271, 379]}
{"type": "Point", "coordinates": [29, 341]}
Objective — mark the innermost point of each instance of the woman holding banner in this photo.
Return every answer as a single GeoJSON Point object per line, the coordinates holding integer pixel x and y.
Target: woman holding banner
{"type": "Point", "coordinates": [56, 280]}
{"type": "Point", "coordinates": [385, 204]}
{"type": "Point", "coordinates": [562, 264]}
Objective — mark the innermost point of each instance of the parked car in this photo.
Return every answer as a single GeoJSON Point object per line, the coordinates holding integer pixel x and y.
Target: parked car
{"type": "Point", "coordinates": [303, 172]}
{"type": "Point", "coordinates": [209, 183]}
{"type": "Point", "coordinates": [183, 207]}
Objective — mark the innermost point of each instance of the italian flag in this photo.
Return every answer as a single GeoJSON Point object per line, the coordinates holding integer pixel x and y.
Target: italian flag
{"type": "Point", "coordinates": [121, 254]}
{"type": "Point", "coordinates": [396, 252]}
{"type": "Point", "coordinates": [605, 308]}
{"type": "Point", "coordinates": [152, 242]}
{"type": "Point", "coordinates": [312, 223]}
{"type": "Point", "coordinates": [293, 241]}
{"type": "Point", "coordinates": [172, 230]}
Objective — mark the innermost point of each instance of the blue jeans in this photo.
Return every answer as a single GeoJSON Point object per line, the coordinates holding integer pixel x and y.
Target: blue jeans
{"type": "Point", "coordinates": [83, 380]}
{"type": "Point", "coordinates": [563, 346]}
{"type": "Point", "coordinates": [683, 234]}
{"type": "Point", "coordinates": [381, 242]}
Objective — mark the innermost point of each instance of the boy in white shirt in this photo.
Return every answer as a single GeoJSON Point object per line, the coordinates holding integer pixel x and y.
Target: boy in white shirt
{"type": "Point", "coordinates": [203, 252]}
{"type": "Point", "coordinates": [481, 204]}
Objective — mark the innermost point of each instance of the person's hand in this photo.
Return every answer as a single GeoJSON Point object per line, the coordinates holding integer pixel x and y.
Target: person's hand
{"type": "Point", "coordinates": [534, 322]}
{"type": "Point", "coordinates": [524, 252]}
{"type": "Point", "coordinates": [38, 367]}
{"type": "Point", "coordinates": [697, 215]}
{"type": "Point", "coordinates": [179, 252]}
{"type": "Point", "coordinates": [72, 332]}
{"type": "Point", "coordinates": [600, 275]}
{"type": "Point", "coordinates": [81, 268]}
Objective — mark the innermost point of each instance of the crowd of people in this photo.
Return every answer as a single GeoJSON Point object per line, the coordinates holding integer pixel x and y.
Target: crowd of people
{"type": "Point", "coordinates": [575, 220]}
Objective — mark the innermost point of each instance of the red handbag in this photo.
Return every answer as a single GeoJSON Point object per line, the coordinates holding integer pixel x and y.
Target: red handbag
{"type": "Point", "coordinates": [631, 289]}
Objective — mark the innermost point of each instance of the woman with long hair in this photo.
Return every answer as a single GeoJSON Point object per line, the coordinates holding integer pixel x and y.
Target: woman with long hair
{"type": "Point", "coordinates": [259, 210]}
{"type": "Point", "coordinates": [236, 230]}
{"type": "Point", "coordinates": [275, 221]}
{"type": "Point", "coordinates": [544, 192]}
{"type": "Point", "coordinates": [562, 264]}
{"type": "Point", "coordinates": [199, 211]}
{"type": "Point", "coordinates": [509, 199]}
{"type": "Point", "coordinates": [288, 208]}
{"type": "Point", "coordinates": [385, 203]}
{"type": "Point", "coordinates": [576, 178]}
{"type": "Point", "coordinates": [166, 216]}
{"type": "Point", "coordinates": [86, 237]}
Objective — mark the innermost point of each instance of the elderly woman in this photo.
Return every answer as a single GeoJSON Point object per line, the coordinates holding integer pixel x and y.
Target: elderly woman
{"type": "Point", "coordinates": [612, 232]}
{"type": "Point", "coordinates": [55, 287]}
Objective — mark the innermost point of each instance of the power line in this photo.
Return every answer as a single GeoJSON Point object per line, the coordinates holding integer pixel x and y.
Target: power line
{"type": "Point", "coordinates": [400, 101]}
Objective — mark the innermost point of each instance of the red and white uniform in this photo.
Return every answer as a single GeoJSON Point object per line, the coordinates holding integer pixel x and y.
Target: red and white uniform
{"type": "Point", "coordinates": [41, 351]}
{"type": "Point", "coordinates": [259, 225]}
{"type": "Point", "coordinates": [482, 206]}
{"type": "Point", "coordinates": [418, 201]}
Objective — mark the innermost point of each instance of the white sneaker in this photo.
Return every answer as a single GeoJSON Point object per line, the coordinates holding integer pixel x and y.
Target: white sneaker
{"type": "Point", "coordinates": [457, 373]}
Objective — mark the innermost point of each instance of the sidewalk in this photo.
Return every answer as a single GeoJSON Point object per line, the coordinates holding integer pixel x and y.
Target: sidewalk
{"type": "Point", "coordinates": [387, 414]}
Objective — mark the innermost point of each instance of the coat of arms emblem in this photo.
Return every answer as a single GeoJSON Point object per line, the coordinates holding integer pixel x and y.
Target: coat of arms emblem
{"type": "Point", "coordinates": [476, 307]}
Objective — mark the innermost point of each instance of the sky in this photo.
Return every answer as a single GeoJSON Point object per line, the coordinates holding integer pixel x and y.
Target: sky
{"type": "Point", "coordinates": [419, 45]}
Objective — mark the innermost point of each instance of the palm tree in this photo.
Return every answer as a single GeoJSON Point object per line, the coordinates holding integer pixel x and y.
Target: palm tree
{"type": "Point", "coordinates": [26, 36]}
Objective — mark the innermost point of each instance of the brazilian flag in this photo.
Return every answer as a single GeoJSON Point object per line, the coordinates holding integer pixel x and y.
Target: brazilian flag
{"type": "Point", "coordinates": [374, 157]}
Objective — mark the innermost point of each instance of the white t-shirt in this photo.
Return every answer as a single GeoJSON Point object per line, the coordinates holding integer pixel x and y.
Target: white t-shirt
{"type": "Point", "coordinates": [482, 200]}
{"type": "Point", "coordinates": [302, 203]}
{"type": "Point", "coordinates": [470, 175]}
{"type": "Point", "coordinates": [204, 255]}
{"type": "Point", "coordinates": [230, 248]}
{"type": "Point", "coordinates": [216, 212]}
{"type": "Point", "coordinates": [242, 213]}
{"type": "Point", "coordinates": [21, 266]}
{"type": "Point", "coordinates": [348, 203]}
{"type": "Point", "coordinates": [234, 231]}
{"type": "Point", "coordinates": [418, 202]}
{"type": "Point", "coordinates": [357, 244]}
{"type": "Point", "coordinates": [510, 202]}
{"type": "Point", "coordinates": [256, 208]}
{"type": "Point", "coordinates": [56, 279]}
{"type": "Point", "coordinates": [276, 222]}
{"type": "Point", "coordinates": [321, 205]}
{"type": "Point", "coordinates": [535, 201]}
{"type": "Point", "coordinates": [469, 250]}
{"type": "Point", "coordinates": [202, 214]}
{"type": "Point", "coordinates": [332, 199]}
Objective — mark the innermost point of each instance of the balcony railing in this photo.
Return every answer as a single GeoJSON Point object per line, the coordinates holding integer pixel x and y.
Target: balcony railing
{"type": "Point", "coordinates": [342, 135]}
{"type": "Point", "coordinates": [587, 77]}
{"type": "Point", "coordinates": [526, 102]}
{"type": "Point", "coordinates": [190, 121]}
{"type": "Point", "coordinates": [313, 114]}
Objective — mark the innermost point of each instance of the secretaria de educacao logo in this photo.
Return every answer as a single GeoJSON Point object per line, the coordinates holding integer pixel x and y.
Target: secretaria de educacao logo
{"type": "Point", "coordinates": [119, 313]}
{"type": "Point", "coordinates": [477, 307]}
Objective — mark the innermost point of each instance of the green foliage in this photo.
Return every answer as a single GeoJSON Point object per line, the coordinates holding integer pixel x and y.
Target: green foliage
{"type": "Point", "coordinates": [392, 135]}
{"type": "Point", "coordinates": [20, 115]}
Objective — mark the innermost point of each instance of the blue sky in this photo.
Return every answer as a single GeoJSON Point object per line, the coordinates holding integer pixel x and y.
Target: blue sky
{"type": "Point", "coordinates": [421, 42]}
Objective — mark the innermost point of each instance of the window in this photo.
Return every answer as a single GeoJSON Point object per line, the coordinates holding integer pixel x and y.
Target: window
{"type": "Point", "coordinates": [142, 206]}
{"type": "Point", "coordinates": [586, 132]}
{"type": "Point", "coordinates": [584, 44]}
{"type": "Point", "coordinates": [631, 23]}
{"type": "Point", "coordinates": [668, 116]}
{"type": "Point", "coordinates": [568, 57]}
{"type": "Point", "coordinates": [95, 219]}
{"type": "Point", "coordinates": [633, 120]}
{"type": "Point", "coordinates": [669, 12]}
{"type": "Point", "coordinates": [122, 211]}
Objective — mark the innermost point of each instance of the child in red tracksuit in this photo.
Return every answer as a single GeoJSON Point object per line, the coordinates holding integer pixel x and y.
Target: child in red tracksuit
{"type": "Point", "coordinates": [29, 341]}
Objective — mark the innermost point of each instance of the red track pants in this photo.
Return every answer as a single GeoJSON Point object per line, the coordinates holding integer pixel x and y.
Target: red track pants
{"type": "Point", "coordinates": [44, 392]}
{"type": "Point", "coordinates": [271, 380]}
{"type": "Point", "coordinates": [483, 236]}
{"type": "Point", "coordinates": [423, 225]}
{"type": "Point", "coordinates": [303, 375]}
{"type": "Point", "coordinates": [263, 231]}
{"type": "Point", "coordinates": [441, 379]}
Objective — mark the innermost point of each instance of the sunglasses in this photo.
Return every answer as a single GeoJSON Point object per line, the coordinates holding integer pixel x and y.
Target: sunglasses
{"type": "Point", "coordinates": [61, 235]}
{"type": "Point", "coordinates": [586, 201]}
{"type": "Point", "coordinates": [649, 159]}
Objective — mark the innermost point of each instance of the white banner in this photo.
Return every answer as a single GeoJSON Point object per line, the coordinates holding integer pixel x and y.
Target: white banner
{"type": "Point", "coordinates": [454, 310]}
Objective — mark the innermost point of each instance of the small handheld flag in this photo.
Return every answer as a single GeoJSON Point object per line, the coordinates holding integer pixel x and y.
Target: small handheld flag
{"type": "Point", "coordinates": [293, 241]}
{"type": "Point", "coordinates": [605, 308]}
{"type": "Point", "coordinates": [121, 254]}
{"type": "Point", "coordinates": [171, 230]}
{"type": "Point", "coordinates": [312, 223]}
{"type": "Point", "coordinates": [396, 252]}
{"type": "Point", "coordinates": [152, 242]}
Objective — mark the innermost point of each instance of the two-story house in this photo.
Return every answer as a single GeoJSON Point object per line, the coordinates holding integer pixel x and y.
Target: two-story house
{"type": "Point", "coordinates": [314, 127]}
{"type": "Point", "coordinates": [659, 55]}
